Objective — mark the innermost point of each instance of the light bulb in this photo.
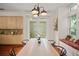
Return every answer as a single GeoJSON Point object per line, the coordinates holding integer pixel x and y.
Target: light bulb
{"type": "Point", "coordinates": [43, 14]}
{"type": "Point", "coordinates": [35, 15]}
{"type": "Point", "coordinates": [34, 11]}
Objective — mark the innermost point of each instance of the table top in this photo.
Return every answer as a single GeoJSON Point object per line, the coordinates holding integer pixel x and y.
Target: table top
{"type": "Point", "coordinates": [32, 48]}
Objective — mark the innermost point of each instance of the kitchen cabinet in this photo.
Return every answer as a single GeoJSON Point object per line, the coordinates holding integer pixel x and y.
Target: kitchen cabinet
{"type": "Point", "coordinates": [19, 22]}
{"type": "Point", "coordinates": [9, 25]}
{"type": "Point", "coordinates": [11, 39]}
{"type": "Point", "coordinates": [11, 22]}
{"type": "Point", "coordinates": [3, 22]}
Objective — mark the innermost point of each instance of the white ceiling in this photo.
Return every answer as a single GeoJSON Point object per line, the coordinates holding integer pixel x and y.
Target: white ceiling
{"type": "Point", "coordinates": [29, 6]}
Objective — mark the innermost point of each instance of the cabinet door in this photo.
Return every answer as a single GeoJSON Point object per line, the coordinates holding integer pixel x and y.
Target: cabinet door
{"type": "Point", "coordinates": [11, 22]}
{"type": "Point", "coordinates": [19, 22]}
{"type": "Point", "coordinates": [3, 22]}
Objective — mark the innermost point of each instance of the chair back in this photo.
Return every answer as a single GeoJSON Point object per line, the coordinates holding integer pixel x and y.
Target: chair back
{"type": "Point", "coordinates": [62, 51]}
{"type": "Point", "coordinates": [12, 52]}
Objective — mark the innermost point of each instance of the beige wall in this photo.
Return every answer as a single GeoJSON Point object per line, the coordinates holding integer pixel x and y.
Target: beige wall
{"type": "Point", "coordinates": [11, 22]}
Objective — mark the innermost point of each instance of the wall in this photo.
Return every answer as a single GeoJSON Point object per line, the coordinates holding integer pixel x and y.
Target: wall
{"type": "Point", "coordinates": [63, 22]}
{"type": "Point", "coordinates": [51, 33]}
{"type": "Point", "coordinates": [11, 13]}
{"type": "Point", "coordinates": [77, 13]}
{"type": "Point", "coordinates": [26, 32]}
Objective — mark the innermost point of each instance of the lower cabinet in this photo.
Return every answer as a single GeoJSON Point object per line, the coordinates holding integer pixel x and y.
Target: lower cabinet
{"type": "Point", "coordinates": [11, 39]}
{"type": "Point", "coordinates": [70, 50]}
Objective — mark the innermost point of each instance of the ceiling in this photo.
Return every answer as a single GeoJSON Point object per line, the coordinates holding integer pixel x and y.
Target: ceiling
{"type": "Point", "coordinates": [29, 6]}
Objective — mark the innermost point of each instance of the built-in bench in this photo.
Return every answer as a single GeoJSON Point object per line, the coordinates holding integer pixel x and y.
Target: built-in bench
{"type": "Point", "coordinates": [70, 43]}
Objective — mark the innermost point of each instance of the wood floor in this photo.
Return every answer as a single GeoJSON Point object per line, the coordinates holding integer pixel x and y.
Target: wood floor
{"type": "Point", "coordinates": [4, 49]}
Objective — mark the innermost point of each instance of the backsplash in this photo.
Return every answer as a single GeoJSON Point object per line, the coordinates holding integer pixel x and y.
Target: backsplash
{"type": "Point", "coordinates": [11, 31]}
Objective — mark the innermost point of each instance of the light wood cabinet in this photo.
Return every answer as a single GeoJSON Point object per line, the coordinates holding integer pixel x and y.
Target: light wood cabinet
{"type": "Point", "coordinates": [11, 39]}
{"type": "Point", "coordinates": [0, 22]}
{"type": "Point", "coordinates": [19, 22]}
{"type": "Point", "coordinates": [3, 22]}
{"type": "Point", "coordinates": [11, 22]}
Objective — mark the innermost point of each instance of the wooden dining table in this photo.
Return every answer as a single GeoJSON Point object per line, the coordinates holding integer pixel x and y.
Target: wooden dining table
{"type": "Point", "coordinates": [33, 48]}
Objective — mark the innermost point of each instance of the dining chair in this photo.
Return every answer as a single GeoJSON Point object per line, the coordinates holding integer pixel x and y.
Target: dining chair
{"type": "Point", "coordinates": [52, 42]}
{"type": "Point", "coordinates": [62, 50]}
{"type": "Point", "coordinates": [25, 41]}
{"type": "Point", "coordinates": [12, 52]}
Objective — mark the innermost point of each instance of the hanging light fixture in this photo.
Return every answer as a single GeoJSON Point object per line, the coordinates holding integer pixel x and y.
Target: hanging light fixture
{"type": "Point", "coordinates": [36, 11]}
{"type": "Point", "coordinates": [43, 13]}
{"type": "Point", "coordinates": [35, 15]}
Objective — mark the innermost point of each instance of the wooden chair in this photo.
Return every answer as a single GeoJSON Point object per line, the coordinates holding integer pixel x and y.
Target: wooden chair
{"type": "Point", "coordinates": [62, 51]}
{"type": "Point", "coordinates": [12, 52]}
{"type": "Point", "coordinates": [24, 42]}
{"type": "Point", "coordinates": [52, 42]}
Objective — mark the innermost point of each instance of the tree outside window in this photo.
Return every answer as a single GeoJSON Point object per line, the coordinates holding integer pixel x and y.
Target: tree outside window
{"type": "Point", "coordinates": [73, 23]}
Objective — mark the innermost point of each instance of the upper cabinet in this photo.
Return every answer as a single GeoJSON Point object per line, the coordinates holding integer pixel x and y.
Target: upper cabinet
{"type": "Point", "coordinates": [3, 23]}
{"type": "Point", "coordinates": [19, 23]}
{"type": "Point", "coordinates": [11, 22]}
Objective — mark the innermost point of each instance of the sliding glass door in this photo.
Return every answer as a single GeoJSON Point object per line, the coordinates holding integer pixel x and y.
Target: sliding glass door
{"type": "Point", "coordinates": [37, 29]}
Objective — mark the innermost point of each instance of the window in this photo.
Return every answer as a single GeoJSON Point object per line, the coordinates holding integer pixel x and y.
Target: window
{"type": "Point", "coordinates": [43, 29]}
{"type": "Point", "coordinates": [34, 27]}
{"type": "Point", "coordinates": [73, 23]}
{"type": "Point", "coordinates": [74, 7]}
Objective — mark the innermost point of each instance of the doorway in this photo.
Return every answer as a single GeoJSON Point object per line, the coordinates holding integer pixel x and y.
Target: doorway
{"type": "Point", "coordinates": [38, 29]}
